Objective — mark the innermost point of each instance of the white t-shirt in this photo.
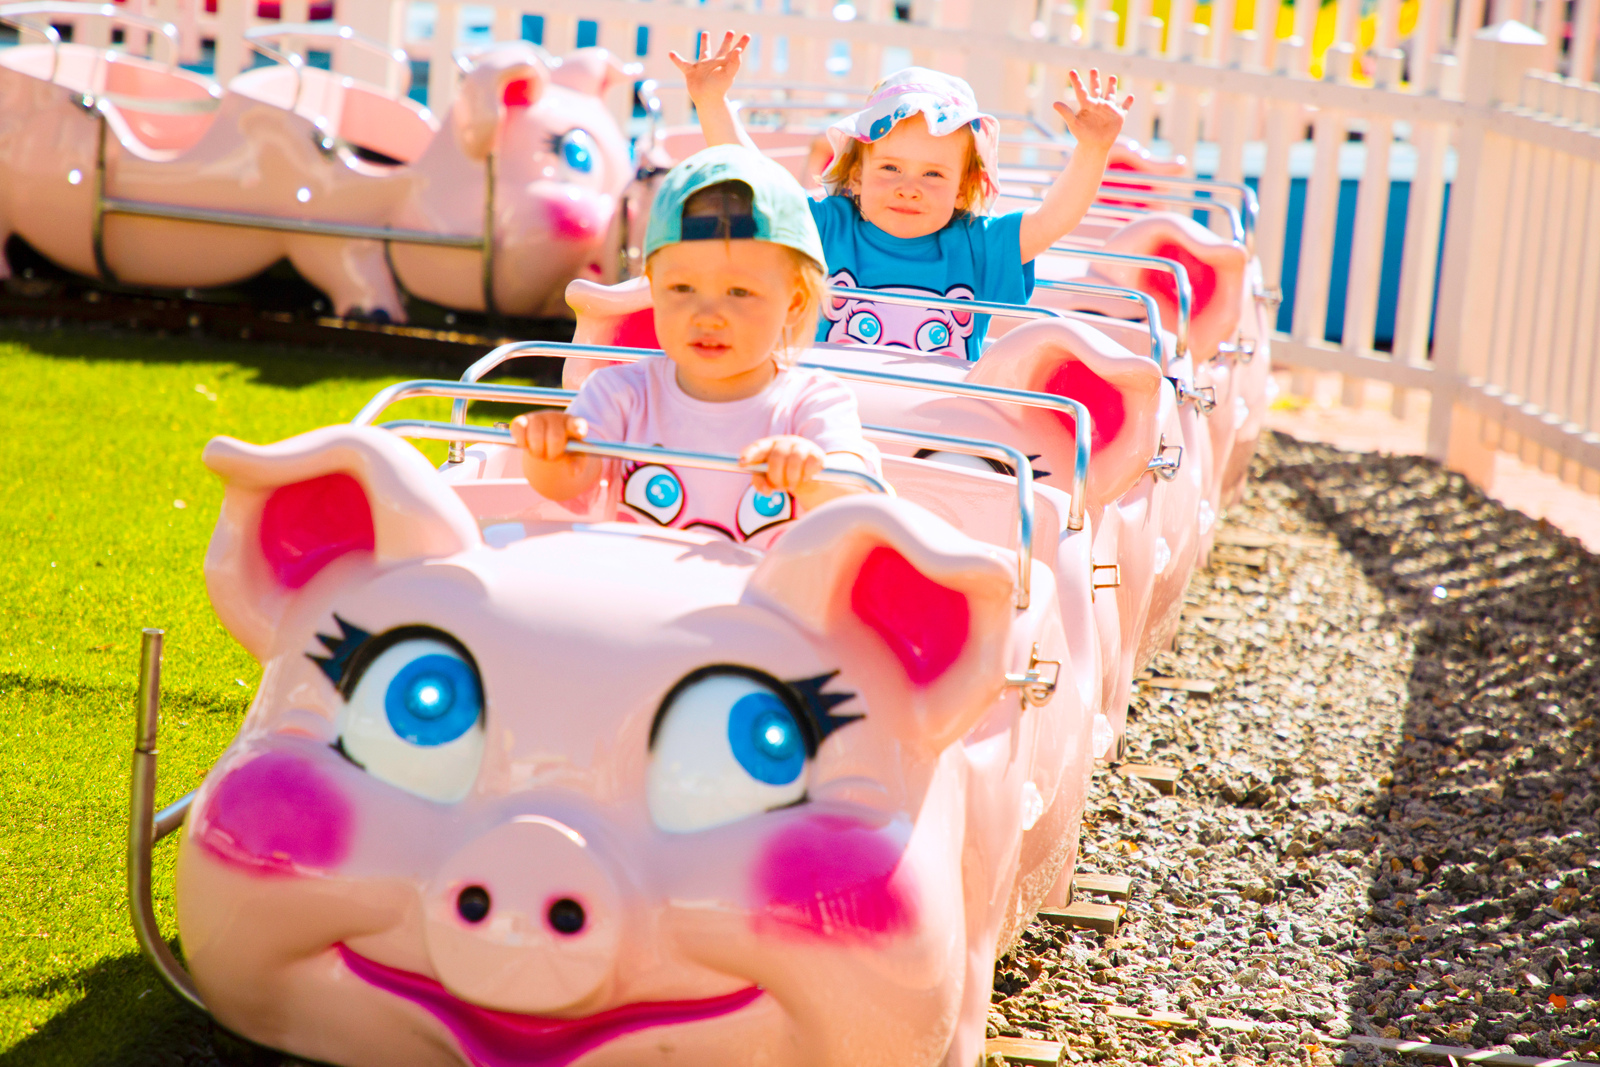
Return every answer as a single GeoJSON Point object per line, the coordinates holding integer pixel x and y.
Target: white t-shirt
{"type": "Point", "coordinates": [641, 403]}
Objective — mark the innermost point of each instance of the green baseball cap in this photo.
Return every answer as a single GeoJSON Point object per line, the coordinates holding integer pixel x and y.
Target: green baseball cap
{"type": "Point", "coordinates": [779, 210]}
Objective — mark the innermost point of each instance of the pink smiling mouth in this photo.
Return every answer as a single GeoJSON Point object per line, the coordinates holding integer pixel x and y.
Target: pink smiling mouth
{"type": "Point", "coordinates": [507, 1039]}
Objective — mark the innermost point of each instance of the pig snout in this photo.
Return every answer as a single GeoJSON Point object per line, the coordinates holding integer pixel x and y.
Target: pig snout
{"type": "Point", "coordinates": [524, 919]}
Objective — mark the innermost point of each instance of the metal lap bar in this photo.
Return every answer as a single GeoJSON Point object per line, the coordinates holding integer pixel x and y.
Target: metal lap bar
{"type": "Point", "coordinates": [462, 392]}
{"type": "Point", "coordinates": [106, 11]}
{"type": "Point", "coordinates": [424, 430]}
{"type": "Point", "coordinates": [1194, 203]}
{"type": "Point", "coordinates": [993, 449]}
{"type": "Point", "coordinates": [146, 826]}
{"type": "Point", "coordinates": [1066, 405]}
{"type": "Point", "coordinates": [45, 30]}
{"type": "Point", "coordinates": [1152, 314]}
{"type": "Point", "coordinates": [1171, 266]}
{"type": "Point", "coordinates": [118, 206]}
{"type": "Point", "coordinates": [320, 31]}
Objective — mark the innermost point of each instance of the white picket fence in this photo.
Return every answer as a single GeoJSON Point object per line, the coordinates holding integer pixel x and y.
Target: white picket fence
{"type": "Point", "coordinates": [1506, 118]}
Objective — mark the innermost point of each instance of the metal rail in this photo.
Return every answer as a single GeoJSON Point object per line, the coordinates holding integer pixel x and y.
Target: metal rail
{"type": "Point", "coordinates": [324, 31]}
{"type": "Point", "coordinates": [1194, 203]}
{"type": "Point", "coordinates": [12, 14]}
{"type": "Point", "coordinates": [1184, 290]}
{"type": "Point", "coordinates": [118, 206]}
{"type": "Point", "coordinates": [425, 430]}
{"type": "Point", "coordinates": [146, 826]}
{"type": "Point", "coordinates": [1024, 475]}
{"type": "Point", "coordinates": [1152, 314]}
{"type": "Point", "coordinates": [1066, 405]}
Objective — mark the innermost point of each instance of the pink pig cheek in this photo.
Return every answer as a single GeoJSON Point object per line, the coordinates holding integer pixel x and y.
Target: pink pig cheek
{"type": "Point", "coordinates": [573, 215]}
{"type": "Point", "coordinates": [278, 814]}
{"type": "Point", "coordinates": [831, 878]}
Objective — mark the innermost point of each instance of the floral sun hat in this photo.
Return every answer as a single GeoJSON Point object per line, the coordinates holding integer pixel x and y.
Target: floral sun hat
{"type": "Point", "coordinates": [946, 104]}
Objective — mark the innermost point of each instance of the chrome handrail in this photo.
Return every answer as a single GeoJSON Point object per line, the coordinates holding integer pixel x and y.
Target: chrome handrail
{"type": "Point", "coordinates": [146, 826]}
{"type": "Point", "coordinates": [11, 14]}
{"type": "Point", "coordinates": [321, 31]}
{"type": "Point", "coordinates": [436, 431]}
{"type": "Point", "coordinates": [973, 446]}
{"type": "Point", "coordinates": [1236, 226]}
{"type": "Point", "coordinates": [1066, 405]}
{"type": "Point", "coordinates": [47, 31]}
{"type": "Point", "coordinates": [1152, 314]}
{"type": "Point", "coordinates": [1249, 203]}
{"type": "Point", "coordinates": [426, 430]}
{"type": "Point", "coordinates": [1171, 266]}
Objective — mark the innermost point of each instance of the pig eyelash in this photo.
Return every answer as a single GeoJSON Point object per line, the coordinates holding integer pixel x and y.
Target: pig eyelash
{"type": "Point", "coordinates": [1037, 473]}
{"type": "Point", "coordinates": [355, 648]}
{"type": "Point", "coordinates": [805, 695]}
{"type": "Point", "coordinates": [819, 705]}
{"type": "Point", "coordinates": [338, 746]}
{"type": "Point", "coordinates": [336, 665]}
{"type": "Point", "coordinates": [997, 466]}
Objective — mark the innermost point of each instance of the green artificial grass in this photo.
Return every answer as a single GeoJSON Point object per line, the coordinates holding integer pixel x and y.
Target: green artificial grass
{"type": "Point", "coordinates": [105, 512]}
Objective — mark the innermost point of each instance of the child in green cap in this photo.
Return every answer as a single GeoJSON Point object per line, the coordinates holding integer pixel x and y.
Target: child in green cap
{"type": "Point", "coordinates": [735, 268]}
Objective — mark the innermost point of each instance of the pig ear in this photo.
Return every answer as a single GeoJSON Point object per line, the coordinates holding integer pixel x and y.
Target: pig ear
{"type": "Point", "coordinates": [294, 508]}
{"type": "Point", "coordinates": [593, 70]}
{"type": "Point", "coordinates": [835, 308]}
{"type": "Point", "coordinates": [1121, 389]}
{"type": "Point", "coordinates": [1216, 274]}
{"type": "Point", "coordinates": [962, 318]}
{"type": "Point", "coordinates": [916, 614]}
{"type": "Point", "coordinates": [617, 316]}
{"type": "Point", "coordinates": [509, 75]}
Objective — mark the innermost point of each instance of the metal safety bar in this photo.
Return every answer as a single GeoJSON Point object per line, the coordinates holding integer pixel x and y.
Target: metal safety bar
{"type": "Point", "coordinates": [118, 206]}
{"type": "Point", "coordinates": [146, 826]}
{"type": "Point", "coordinates": [1171, 266]}
{"type": "Point", "coordinates": [425, 430]}
{"type": "Point", "coordinates": [1249, 204]}
{"type": "Point", "coordinates": [1236, 226]}
{"type": "Point", "coordinates": [324, 31]}
{"type": "Point", "coordinates": [995, 450]}
{"type": "Point", "coordinates": [12, 14]}
{"type": "Point", "coordinates": [1152, 314]}
{"type": "Point", "coordinates": [1066, 405]}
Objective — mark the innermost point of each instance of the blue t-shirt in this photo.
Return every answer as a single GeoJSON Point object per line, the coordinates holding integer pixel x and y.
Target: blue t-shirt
{"type": "Point", "coordinates": [975, 257]}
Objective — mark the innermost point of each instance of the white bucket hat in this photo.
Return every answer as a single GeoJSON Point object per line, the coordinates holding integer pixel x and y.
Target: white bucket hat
{"type": "Point", "coordinates": [946, 104]}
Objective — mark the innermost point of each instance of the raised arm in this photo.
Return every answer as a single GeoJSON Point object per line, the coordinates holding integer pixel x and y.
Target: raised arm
{"type": "Point", "coordinates": [708, 80]}
{"type": "Point", "coordinates": [1095, 124]}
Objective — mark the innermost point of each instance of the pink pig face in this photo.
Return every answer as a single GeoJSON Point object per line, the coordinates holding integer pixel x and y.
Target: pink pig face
{"type": "Point", "coordinates": [592, 797]}
{"type": "Point", "coordinates": [937, 331]}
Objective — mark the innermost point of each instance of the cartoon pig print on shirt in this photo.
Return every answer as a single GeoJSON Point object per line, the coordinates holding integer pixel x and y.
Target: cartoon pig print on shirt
{"type": "Point", "coordinates": [938, 331]}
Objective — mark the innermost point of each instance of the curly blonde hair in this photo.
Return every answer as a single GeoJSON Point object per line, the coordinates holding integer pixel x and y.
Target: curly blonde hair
{"type": "Point", "coordinates": [846, 170]}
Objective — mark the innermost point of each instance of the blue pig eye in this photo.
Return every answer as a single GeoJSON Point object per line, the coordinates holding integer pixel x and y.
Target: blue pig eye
{"type": "Point", "coordinates": [577, 150]}
{"type": "Point", "coordinates": [766, 739]}
{"type": "Point", "coordinates": [415, 716]}
{"type": "Point", "coordinates": [933, 336]}
{"type": "Point", "coordinates": [433, 700]}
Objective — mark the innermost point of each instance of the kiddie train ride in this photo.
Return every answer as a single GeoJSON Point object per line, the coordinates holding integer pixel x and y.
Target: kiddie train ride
{"type": "Point", "coordinates": [529, 785]}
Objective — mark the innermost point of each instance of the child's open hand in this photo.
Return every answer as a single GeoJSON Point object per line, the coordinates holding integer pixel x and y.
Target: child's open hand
{"type": "Point", "coordinates": [543, 435]}
{"type": "Point", "coordinates": [1098, 118]}
{"type": "Point", "coordinates": [711, 76]}
{"type": "Point", "coordinates": [792, 463]}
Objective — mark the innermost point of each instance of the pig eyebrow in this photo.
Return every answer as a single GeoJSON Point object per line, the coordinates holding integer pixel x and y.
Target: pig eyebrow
{"type": "Point", "coordinates": [341, 649]}
{"type": "Point", "coordinates": [819, 705]}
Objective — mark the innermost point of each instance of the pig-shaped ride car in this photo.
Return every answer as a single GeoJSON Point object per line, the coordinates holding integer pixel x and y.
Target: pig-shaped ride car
{"type": "Point", "coordinates": [1146, 476]}
{"type": "Point", "coordinates": [164, 180]}
{"type": "Point", "coordinates": [600, 794]}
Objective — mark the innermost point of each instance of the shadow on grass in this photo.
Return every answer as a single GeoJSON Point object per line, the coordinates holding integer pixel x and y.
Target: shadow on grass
{"type": "Point", "coordinates": [125, 1017]}
{"type": "Point", "coordinates": [1484, 926]}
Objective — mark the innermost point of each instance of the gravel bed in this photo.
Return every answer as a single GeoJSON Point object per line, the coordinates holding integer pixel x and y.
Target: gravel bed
{"type": "Point", "coordinates": [1386, 823]}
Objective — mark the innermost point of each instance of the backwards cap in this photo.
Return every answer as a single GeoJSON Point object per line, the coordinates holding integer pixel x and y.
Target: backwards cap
{"type": "Point", "coordinates": [946, 103]}
{"type": "Point", "coordinates": [777, 209]}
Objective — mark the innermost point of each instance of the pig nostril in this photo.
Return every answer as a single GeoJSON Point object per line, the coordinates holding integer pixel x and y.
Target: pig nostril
{"type": "Point", "coordinates": [473, 903]}
{"type": "Point", "coordinates": [566, 916]}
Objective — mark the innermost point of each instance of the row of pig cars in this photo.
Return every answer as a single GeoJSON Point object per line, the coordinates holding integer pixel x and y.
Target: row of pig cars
{"type": "Point", "coordinates": [523, 786]}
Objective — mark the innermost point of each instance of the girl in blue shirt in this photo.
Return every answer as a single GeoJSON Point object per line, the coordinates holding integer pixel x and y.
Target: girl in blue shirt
{"type": "Point", "coordinates": [910, 180]}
